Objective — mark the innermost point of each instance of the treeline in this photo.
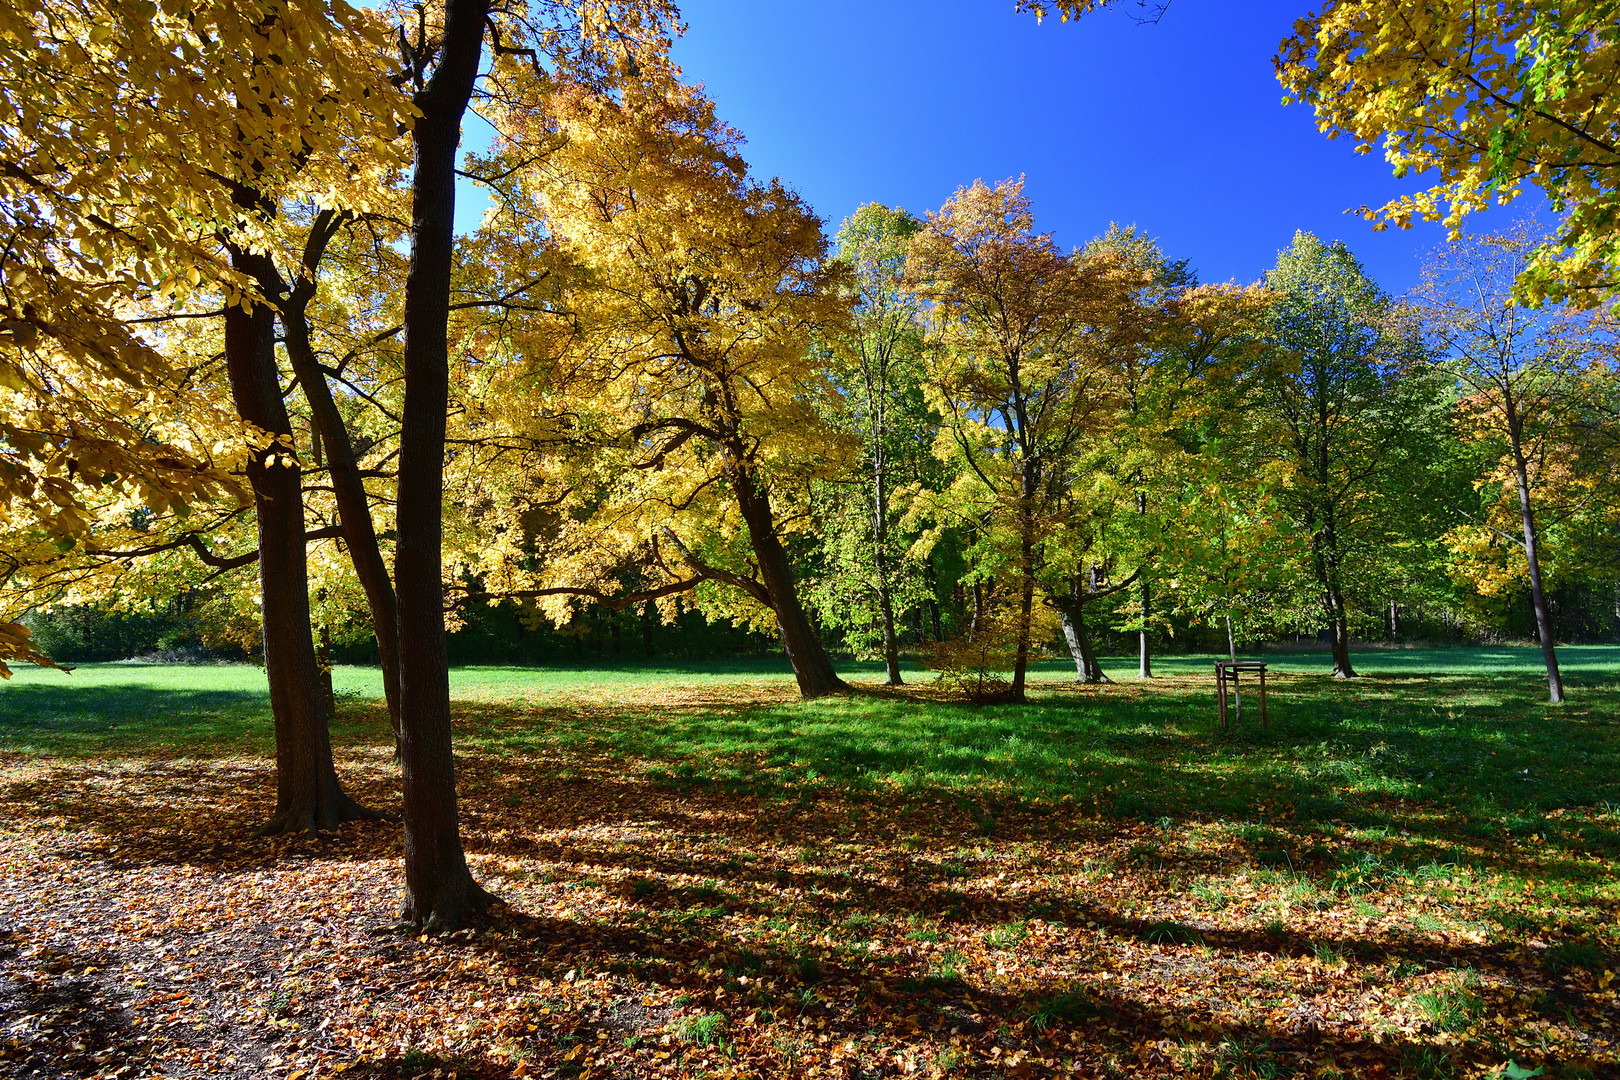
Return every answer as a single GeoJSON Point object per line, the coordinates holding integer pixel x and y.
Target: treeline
{"type": "Point", "coordinates": [247, 368]}
{"type": "Point", "coordinates": [990, 422]}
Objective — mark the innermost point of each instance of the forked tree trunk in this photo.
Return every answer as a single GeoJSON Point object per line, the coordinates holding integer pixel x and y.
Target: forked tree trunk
{"type": "Point", "coordinates": [1084, 587]}
{"type": "Point", "coordinates": [353, 506]}
{"type": "Point", "coordinates": [811, 666]}
{"type": "Point", "coordinates": [1086, 667]}
{"type": "Point", "coordinates": [308, 796]}
{"type": "Point", "coordinates": [439, 889]}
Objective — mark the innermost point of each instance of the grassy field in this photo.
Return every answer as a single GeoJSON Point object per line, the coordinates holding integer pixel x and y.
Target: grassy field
{"type": "Point", "coordinates": [1410, 874]}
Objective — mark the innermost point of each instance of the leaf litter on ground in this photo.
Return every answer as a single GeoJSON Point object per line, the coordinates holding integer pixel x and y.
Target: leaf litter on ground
{"type": "Point", "coordinates": [662, 919]}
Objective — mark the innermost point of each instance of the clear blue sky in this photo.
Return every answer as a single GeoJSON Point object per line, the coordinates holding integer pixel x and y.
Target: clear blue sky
{"type": "Point", "coordinates": [1177, 127]}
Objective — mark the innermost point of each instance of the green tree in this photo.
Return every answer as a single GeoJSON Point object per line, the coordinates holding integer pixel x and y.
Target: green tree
{"type": "Point", "coordinates": [1350, 421]}
{"type": "Point", "coordinates": [877, 371]}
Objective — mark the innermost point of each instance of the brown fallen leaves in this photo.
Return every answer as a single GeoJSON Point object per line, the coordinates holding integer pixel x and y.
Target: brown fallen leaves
{"type": "Point", "coordinates": [652, 931]}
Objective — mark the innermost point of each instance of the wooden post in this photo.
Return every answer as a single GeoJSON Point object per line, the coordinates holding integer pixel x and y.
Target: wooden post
{"type": "Point", "coordinates": [1262, 697]}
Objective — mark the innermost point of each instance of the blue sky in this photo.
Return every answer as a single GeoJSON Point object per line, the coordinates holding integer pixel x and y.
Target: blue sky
{"type": "Point", "coordinates": [1177, 127]}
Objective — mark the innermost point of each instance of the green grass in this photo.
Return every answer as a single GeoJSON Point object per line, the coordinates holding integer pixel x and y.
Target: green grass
{"type": "Point", "coordinates": [1445, 744]}
{"type": "Point", "coordinates": [705, 1030]}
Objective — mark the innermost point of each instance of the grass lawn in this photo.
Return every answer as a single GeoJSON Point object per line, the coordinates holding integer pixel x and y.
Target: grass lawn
{"type": "Point", "coordinates": [1410, 874]}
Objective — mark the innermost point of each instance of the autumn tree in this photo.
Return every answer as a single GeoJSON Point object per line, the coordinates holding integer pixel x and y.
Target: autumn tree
{"type": "Point", "coordinates": [1013, 375]}
{"type": "Point", "coordinates": [1523, 374]}
{"type": "Point", "coordinates": [1186, 358]}
{"type": "Point", "coordinates": [133, 114]}
{"type": "Point", "coordinates": [1484, 99]}
{"type": "Point", "coordinates": [537, 46]}
{"type": "Point", "coordinates": [1136, 339]}
{"type": "Point", "coordinates": [706, 292]}
{"type": "Point", "coordinates": [1481, 98]}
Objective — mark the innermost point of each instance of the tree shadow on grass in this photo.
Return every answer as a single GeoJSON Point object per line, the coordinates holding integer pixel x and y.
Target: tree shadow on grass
{"type": "Point", "coordinates": [81, 720]}
{"type": "Point", "coordinates": [1447, 772]}
{"type": "Point", "coordinates": [663, 874]}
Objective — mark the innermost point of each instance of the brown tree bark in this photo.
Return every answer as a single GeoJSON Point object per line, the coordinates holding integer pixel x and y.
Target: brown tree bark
{"type": "Point", "coordinates": [439, 889]}
{"type": "Point", "coordinates": [811, 666]}
{"type": "Point", "coordinates": [1145, 646]}
{"type": "Point", "coordinates": [1026, 602]}
{"type": "Point", "coordinates": [1145, 664]}
{"type": "Point", "coordinates": [354, 509]}
{"type": "Point", "coordinates": [323, 659]}
{"type": "Point", "coordinates": [880, 536]}
{"type": "Point", "coordinates": [308, 796]}
{"type": "Point", "coordinates": [1339, 624]}
{"type": "Point", "coordinates": [1532, 556]}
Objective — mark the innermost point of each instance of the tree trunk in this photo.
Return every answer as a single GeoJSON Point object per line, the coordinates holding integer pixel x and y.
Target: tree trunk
{"type": "Point", "coordinates": [1324, 559]}
{"type": "Point", "coordinates": [439, 889]}
{"type": "Point", "coordinates": [811, 665]}
{"type": "Point", "coordinates": [1145, 667]}
{"type": "Point", "coordinates": [323, 657]}
{"type": "Point", "coordinates": [308, 796]}
{"type": "Point", "coordinates": [1340, 629]}
{"type": "Point", "coordinates": [353, 506]}
{"type": "Point", "coordinates": [1087, 669]}
{"type": "Point", "coordinates": [1231, 640]}
{"type": "Point", "coordinates": [647, 616]}
{"type": "Point", "coordinates": [891, 644]}
{"type": "Point", "coordinates": [1026, 607]}
{"type": "Point", "coordinates": [880, 536]}
{"type": "Point", "coordinates": [1532, 558]}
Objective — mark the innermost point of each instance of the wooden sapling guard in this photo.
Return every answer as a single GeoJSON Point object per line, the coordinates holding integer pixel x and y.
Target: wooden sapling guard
{"type": "Point", "coordinates": [1226, 678]}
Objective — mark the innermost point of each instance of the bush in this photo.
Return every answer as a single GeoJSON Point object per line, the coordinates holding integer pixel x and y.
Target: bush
{"type": "Point", "coordinates": [970, 666]}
